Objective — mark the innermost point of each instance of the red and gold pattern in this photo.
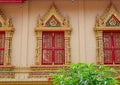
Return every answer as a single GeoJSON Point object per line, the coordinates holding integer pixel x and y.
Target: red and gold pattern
{"type": "Point", "coordinates": [6, 34]}
{"type": "Point", "coordinates": [2, 39]}
{"type": "Point", "coordinates": [53, 42]}
{"type": "Point", "coordinates": [107, 30]}
{"type": "Point", "coordinates": [53, 48]}
{"type": "Point", "coordinates": [111, 47]}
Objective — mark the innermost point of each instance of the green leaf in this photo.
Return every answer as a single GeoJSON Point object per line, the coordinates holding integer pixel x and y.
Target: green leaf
{"type": "Point", "coordinates": [86, 74]}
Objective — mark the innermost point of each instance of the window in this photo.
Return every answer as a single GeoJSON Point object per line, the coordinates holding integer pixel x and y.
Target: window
{"type": "Point", "coordinates": [53, 33]}
{"type": "Point", "coordinates": [53, 39]}
{"type": "Point", "coordinates": [2, 42]}
{"type": "Point", "coordinates": [6, 35]}
{"type": "Point", "coordinates": [111, 47]}
{"type": "Point", "coordinates": [107, 30]}
{"type": "Point", "coordinates": [53, 48]}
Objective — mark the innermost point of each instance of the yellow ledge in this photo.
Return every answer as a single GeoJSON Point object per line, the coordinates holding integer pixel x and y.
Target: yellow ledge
{"type": "Point", "coordinates": [27, 83]}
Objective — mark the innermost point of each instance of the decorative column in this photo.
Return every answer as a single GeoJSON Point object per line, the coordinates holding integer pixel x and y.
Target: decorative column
{"type": "Point", "coordinates": [8, 47]}
{"type": "Point", "coordinates": [100, 56]}
{"type": "Point", "coordinates": [38, 47]}
{"type": "Point", "coordinates": [67, 48]}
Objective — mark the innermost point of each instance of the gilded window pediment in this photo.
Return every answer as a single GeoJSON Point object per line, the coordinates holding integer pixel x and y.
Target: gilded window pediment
{"type": "Point", "coordinates": [111, 18]}
{"type": "Point", "coordinates": [53, 19]}
{"type": "Point", "coordinates": [52, 12]}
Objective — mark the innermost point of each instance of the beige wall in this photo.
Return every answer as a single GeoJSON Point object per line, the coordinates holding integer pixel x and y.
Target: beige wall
{"type": "Point", "coordinates": [82, 15]}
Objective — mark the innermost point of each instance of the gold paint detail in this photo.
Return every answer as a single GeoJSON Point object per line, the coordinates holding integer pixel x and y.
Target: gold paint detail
{"type": "Point", "coordinates": [101, 26]}
{"type": "Point", "coordinates": [7, 26]}
{"type": "Point", "coordinates": [112, 21]}
{"type": "Point", "coordinates": [41, 26]}
{"type": "Point", "coordinates": [45, 70]}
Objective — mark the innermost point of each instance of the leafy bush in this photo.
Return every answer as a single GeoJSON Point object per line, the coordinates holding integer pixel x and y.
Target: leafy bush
{"type": "Point", "coordinates": [86, 74]}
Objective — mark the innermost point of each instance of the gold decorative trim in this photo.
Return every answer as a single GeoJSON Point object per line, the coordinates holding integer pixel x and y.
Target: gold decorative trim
{"type": "Point", "coordinates": [45, 71]}
{"type": "Point", "coordinates": [6, 68]}
{"type": "Point", "coordinates": [62, 24]}
{"type": "Point", "coordinates": [100, 26]}
{"type": "Point", "coordinates": [7, 26]}
{"type": "Point", "coordinates": [65, 26]}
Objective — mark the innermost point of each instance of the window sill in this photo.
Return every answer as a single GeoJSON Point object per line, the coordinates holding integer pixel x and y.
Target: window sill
{"type": "Point", "coordinates": [6, 68]}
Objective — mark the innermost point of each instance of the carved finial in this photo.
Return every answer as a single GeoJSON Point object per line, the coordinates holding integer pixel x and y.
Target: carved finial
{"type": "Point", "coordinates": [1, 20]}
{"type": "Point", "coordinates": [8, 22]}
{"type": "Point", "coordinates": [66, 21]}
{"type": "Point", "coordinates": [39, 21]}
{"type": "Point", "coordinates": [99, 21]}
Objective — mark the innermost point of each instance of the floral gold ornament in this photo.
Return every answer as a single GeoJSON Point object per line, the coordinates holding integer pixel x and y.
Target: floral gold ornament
{"type": "Point", "coordinates": [53, 22]}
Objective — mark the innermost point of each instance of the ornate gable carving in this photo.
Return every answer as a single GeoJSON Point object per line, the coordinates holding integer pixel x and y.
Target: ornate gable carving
{"type": "Point", "coordinates": [53, 22]}
{"type": "Point", "coordinates": [53, 19]}
{"type": "Point", "coordinates": [110, 18]}
{"type": "Point", "coordinates": [5, 22]}
{"type": "Point", "coordinates": [113, 21]}
{"type": "Point", "coordinates": [53, 12]}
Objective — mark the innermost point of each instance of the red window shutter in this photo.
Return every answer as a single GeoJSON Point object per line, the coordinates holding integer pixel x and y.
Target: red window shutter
{"type": "Point", "coordinates": [107, 47]}
{"type": "Point", "coordinates": [116, 39]}
{"type": "Point", "coordinates": [47, 48]}
{"type": "Point", "coordinates": [111, 47]}
{"type": "Point", "coordinates": [53, 48]}
{"type": "Point", "coordinates": [2, 43]}
{"type": "Point", "coordinates": [59, 48]}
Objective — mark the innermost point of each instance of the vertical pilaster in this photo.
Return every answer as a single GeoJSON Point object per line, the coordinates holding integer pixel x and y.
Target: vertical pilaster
{"type": "Point", "coordinates": [67, 47]}
{"type": "Point", "coordinates": [100, 56]}
{"type": "Point", "coordinates": [38, 47]}
{"type": "Point", "coordinates": [6, 56]}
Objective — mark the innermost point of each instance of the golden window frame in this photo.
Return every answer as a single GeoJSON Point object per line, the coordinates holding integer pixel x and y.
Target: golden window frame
{"type": "Point", "coordinates": [41, 26]}
{"type": "Point", "coordinates": [100, 26]}
{"type": "Point", "coordinates": [7, 27]}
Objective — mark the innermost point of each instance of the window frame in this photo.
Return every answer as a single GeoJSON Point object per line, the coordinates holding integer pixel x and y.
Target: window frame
{"type": "Point", "coordinates": [42, 25]}
{"type": "Point", "coordinates": [109, 22]}
{"type": "Point", "coordinates": [6, 26]}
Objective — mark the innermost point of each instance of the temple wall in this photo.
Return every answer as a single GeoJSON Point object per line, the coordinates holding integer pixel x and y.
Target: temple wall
{"type": "Point", "coordinates": [81, 13]}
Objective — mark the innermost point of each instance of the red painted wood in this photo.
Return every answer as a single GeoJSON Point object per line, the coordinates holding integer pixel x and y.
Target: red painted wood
{"type": "Point", "coordinates": [2, 45]}
{"type": "Point", "coordinates": [111, 51]}
{"type": "Point", "coordinates": [53, 39]}
{"type": "Point", "coordinates": [116, 18]}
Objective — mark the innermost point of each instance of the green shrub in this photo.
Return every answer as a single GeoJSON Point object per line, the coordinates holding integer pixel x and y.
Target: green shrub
{"type": "Point", "coordinates": [86, 74]}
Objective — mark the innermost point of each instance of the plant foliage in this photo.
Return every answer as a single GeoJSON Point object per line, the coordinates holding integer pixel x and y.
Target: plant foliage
{"type": "Point", "coordinates": [86, 74]}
